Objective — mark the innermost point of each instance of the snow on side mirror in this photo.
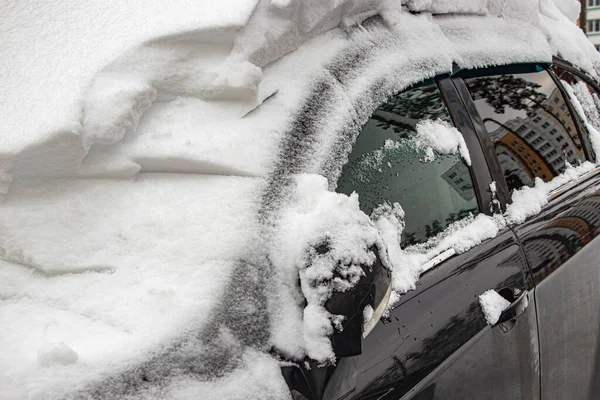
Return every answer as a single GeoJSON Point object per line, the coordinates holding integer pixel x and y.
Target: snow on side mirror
{"type": "Point", "coordinates": [361, 306]}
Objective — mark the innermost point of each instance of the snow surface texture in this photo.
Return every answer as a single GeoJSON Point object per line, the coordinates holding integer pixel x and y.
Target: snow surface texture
{"type": "Point", "coordinates": [492, 305]}
{"type": "Point", "coordinates": [149, 156]}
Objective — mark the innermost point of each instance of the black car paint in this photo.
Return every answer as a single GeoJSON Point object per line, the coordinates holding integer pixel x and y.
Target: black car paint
{"type": "Point", "coordinates": [432, 322]}
{"type": "Point", "coordinates": [437, 333]}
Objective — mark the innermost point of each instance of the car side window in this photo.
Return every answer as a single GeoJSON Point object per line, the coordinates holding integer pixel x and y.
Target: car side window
{"type": "Point", "coordinates": [385, 166]}
{"type": "Point", "coordinates": [529, 123]}
{"type": "Point", "coordinates": [585, 93]}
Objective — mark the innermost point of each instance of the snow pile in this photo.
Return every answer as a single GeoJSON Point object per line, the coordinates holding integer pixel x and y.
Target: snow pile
{"type": "Point", "coordinates": [47, 75]}
{"type": "Point", "coordinates": [257, 377]}
{"type": "Point", "coordinates": [368, 313]}
{"type": "Point", "coordinates": [448, 6]}
{"type": "Point", "coordinates": [114, 270]}
{"type": "Point", "coordinates": [492, 305]}
{"type": "Point", "coordinates": [328, 240]}
{"type": "Point", "coordinates": [158, 169]}
{"type": "Point", "coordinates": [442, 137]}
{"type": "Point", "coordinates": [408, 264]}
{"type": "Point", "coordinates": [556, 18]}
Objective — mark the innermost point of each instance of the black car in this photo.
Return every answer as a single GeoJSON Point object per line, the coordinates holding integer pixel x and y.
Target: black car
{"type": "Point", "coordinates": [520, 125]}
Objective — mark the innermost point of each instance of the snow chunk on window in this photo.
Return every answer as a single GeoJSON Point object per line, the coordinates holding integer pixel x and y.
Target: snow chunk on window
{"type": "Point", "coordinates": [492, 305]}
{"type": "Point", "coordinates": [442, 137]}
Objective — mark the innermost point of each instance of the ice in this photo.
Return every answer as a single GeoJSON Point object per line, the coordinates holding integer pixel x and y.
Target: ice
{"type": "Point", "coordinates": [56, 353]}
{"type": "Point", "coordinates": [492, 305]}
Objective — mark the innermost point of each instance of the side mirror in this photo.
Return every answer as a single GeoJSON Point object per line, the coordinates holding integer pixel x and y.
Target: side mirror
{"type": "Point", "coordinates": [373, 290]}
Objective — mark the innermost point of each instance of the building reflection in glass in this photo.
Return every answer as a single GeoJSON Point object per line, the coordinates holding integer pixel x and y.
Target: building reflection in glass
{"type": "Point", "coordinates": [530, 125]}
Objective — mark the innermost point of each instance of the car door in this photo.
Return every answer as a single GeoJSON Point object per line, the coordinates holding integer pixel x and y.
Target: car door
{"type": "Point", "coordinates": [435, 343]}
{"type": "Point", "coordinates": [536, 135]}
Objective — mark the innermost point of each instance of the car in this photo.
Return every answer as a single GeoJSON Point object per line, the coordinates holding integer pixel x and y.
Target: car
{"type": "Point", "coordinates": [333, 199]}
{"type": "Point", "coordinates": [520, 125]}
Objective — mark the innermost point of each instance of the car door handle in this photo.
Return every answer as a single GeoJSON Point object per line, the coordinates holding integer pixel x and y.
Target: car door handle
{"type": "Point", "coordinates": [508, 318]}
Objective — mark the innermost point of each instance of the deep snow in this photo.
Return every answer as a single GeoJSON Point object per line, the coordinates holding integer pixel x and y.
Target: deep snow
{"type": "Point", "coordinates": [164, 169]}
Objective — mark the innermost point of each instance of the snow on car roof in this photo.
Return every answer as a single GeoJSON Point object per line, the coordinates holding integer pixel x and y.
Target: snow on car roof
{"type": "Point", "coordinates": [150, 153]}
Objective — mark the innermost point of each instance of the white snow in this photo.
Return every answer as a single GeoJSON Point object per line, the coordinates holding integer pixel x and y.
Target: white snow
{"type": "Point", "coordinates": [448, 6]}
{"type": "Point", "coordinates": [138, 141]}
{"type": "Point", "coordinates": [326, 238]}
{"type": "Point", "coordinates": [587, 106]}
{"type": "Point", "coordinates": [258, 377]}
{"type": "Point", "coordinates": [53, 50]}
{"type": "Point", "coordinates": [368, 313]}
{"type": "Point", "coordinates": [440, 136]}
{"type": "Point", "coordinates": [114, 269]}
{"type": "Point", "coordinates": [56, 353]}
{"type": "Point", "coordinates": [528, 201]}
{"type": "Point", "coordinates": [492, 305]}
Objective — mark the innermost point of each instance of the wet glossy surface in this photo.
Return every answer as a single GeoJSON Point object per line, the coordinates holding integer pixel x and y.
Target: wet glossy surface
{"type": "Point", "coordinates": [437, 319]}
{"type": "Point", "coordinates": [562, 246]}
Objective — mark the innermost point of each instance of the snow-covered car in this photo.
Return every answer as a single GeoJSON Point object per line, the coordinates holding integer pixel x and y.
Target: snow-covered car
{"type": "Point", "coordinates": [533, 274]}
{"type": "Point", "coordinates": [312, 199]}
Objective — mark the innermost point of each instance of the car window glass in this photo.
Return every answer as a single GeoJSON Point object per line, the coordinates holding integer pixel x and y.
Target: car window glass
{"type": "Point", "coordinates": [529, 123]}
{"type": "Point", "coordinates": [586, 95]}
{"type": "Point", "coordinates": [385, 166]}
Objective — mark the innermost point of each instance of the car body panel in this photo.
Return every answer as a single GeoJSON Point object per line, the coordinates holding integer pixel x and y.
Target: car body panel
{"type": "Point", "coordinates": [442, 317]}
{"type": "Point", "coordinates": [562, 247]}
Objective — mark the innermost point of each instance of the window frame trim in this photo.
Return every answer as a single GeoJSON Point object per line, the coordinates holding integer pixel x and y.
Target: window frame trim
{"type": "Point", "coordinates": [461, 119]}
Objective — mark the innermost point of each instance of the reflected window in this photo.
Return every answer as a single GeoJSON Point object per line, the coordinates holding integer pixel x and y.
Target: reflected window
{"type": "Point", "coordinates": [507, 103]}
{"type": "Point", "coordinates": [385, 166]}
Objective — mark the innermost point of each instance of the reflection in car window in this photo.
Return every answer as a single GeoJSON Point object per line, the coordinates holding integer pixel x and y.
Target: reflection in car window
{"type": "Point", "coordinates": [385, 166]}
{"type": "Point", "coordinates": [529, 123]}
